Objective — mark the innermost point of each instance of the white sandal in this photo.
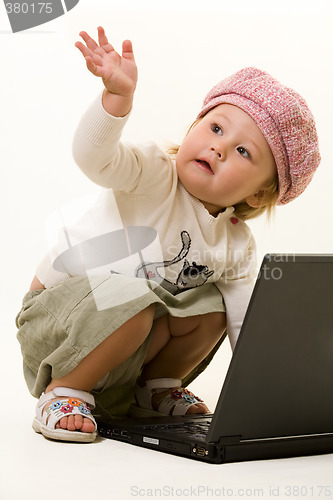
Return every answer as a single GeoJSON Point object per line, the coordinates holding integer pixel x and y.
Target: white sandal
{"type": "Point", "coordinates": [69, 402]}
{"type": "Point", "coordinates": [177, 402]}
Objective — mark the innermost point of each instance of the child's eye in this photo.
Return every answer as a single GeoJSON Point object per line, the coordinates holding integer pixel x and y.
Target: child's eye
{"type": "Point", "coordinates": [217, 129]}
{"type": "Point", "coordinates": [242, 151]}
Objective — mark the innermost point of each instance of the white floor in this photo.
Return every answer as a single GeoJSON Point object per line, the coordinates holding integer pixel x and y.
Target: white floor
{"type": "Point", "coordinates": [181, 52]}
{"type": "Point", "coordinates": [33, 467]}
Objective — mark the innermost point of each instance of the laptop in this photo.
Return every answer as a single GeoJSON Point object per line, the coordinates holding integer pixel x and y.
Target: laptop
{"type": "Point", "coordinates": [277, 397]}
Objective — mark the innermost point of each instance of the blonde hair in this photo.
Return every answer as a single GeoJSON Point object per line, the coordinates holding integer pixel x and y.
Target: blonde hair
{"type": "Point", "coordinates": [243, 210]}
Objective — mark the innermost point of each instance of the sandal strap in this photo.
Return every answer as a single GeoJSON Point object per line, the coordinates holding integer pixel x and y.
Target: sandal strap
{"type": "Point", "coordinates": [178, 402]}
{"type": "Point", "coordinates": [163, 383]}
{"type": "Point", "coordinates": [66, 392]}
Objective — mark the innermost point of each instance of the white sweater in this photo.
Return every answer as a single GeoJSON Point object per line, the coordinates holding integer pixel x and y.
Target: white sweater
{"type": "Point", "coordinates": [181, 244]}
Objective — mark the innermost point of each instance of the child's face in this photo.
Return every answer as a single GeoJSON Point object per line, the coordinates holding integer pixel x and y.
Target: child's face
{"type": "Point", "coordinates": [225, 159]}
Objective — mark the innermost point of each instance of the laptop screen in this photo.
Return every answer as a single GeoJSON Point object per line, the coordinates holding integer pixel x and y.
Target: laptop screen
{"type": "Point", "coordinates": [280, 379]}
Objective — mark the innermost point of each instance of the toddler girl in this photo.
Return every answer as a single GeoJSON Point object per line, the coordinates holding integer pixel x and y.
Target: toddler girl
{"type": "Point", "coordinates": [139, 311]}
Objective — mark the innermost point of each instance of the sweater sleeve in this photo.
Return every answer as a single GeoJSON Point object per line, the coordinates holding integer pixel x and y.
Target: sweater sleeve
{"type": "Point", "coordinates": [109, 163]}
{"type": "Point", "coordinates": [236, 287]}
{"type": "Point", "coordinates": [105, 160]}
{"type": "Point", "coordinates": [47, 275]}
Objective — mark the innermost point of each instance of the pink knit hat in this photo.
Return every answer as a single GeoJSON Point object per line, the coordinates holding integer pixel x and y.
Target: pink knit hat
{"type": "Point", "coordinates": [283, 118]}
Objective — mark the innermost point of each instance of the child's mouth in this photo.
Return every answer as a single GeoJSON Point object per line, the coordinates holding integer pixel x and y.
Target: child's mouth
{"type": "Point", "coordinates": [204, 165]}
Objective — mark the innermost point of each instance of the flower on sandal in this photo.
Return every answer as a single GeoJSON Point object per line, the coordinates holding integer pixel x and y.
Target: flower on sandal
{"type": "Point", "coordinates": [84, 409]}
{"type": "Point", "coordinates": [190, 394]}
{"type": "Point", "coordinates": [66, 408]}
{"type": "Point", "coordinates": [56, 405]}
{"type": "Point", "coordinates": [74, 402]}
{"type": "Point", "coordinates": [189, 398]}
{"type": "Point", "coordinates": [176, 394]}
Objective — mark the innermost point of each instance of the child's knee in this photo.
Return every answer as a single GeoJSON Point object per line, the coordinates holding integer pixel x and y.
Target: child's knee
{"type": "Point", "coordinates": [143, 321]}
{"type": "Point", "coordinates": [210, 324]}
{"type": "Point", "coordinates": [216, 321]}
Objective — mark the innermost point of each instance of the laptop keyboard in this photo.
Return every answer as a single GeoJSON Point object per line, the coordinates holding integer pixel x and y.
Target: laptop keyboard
{"type": "Point", "coordinates": [192, 429]}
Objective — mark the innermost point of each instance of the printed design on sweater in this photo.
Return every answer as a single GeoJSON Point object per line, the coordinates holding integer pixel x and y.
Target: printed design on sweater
{"type": "Point", "coordinates": [190, 276]}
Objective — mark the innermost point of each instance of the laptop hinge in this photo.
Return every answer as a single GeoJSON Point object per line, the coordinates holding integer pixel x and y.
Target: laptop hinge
{"type": "Point", "coordinates": [227, 440]}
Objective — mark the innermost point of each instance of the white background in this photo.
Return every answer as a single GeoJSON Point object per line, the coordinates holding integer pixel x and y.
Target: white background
{"type": "Point", "coordinates": [182, 49]}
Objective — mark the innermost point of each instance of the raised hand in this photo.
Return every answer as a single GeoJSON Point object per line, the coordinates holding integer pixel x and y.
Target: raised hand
{"type": "Point", "coordinates": [119, 73]}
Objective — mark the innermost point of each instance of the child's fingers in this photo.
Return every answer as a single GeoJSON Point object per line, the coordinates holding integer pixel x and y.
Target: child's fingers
{"type": "Point", "coordinates": [83, 49]}
{"type": "Point", "coordinates": [97, 59]}
{"type": "Point", "coordinates": [103, 41]}
{"type": "Point", "coordinates": [128, 50]}
{"type": "Point", "coordinates": [94, 68]}
{"type": "Point", "coordinates": [91, 44]}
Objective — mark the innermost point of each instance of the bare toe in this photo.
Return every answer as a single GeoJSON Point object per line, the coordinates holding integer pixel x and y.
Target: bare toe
{"type": "Point", "coordinates": [70, 423]}
{"type": "Point", "coordinates": [198, 408]}
{"type": "Point", "coordinates": [88, 425]}
{"type": "Point", "coordinates": [63, 423]}
{"type": "Point", "coordinates": [78, 422]}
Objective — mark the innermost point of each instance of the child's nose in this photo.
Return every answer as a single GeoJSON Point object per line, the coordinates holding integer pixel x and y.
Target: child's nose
{"type": "Point", "coordinates": [218, 151]}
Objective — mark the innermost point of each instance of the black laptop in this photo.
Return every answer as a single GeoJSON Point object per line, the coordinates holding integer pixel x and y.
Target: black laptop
{"type": "Point", "coordinates": [277, 397]}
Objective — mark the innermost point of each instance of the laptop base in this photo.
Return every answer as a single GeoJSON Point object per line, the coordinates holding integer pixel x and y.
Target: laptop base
{"type": "Point", "coordinates": [231, 449]}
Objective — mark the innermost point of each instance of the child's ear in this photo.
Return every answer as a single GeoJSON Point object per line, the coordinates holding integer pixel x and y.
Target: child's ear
{"type": "Point", "coordinates": [258, 199]}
